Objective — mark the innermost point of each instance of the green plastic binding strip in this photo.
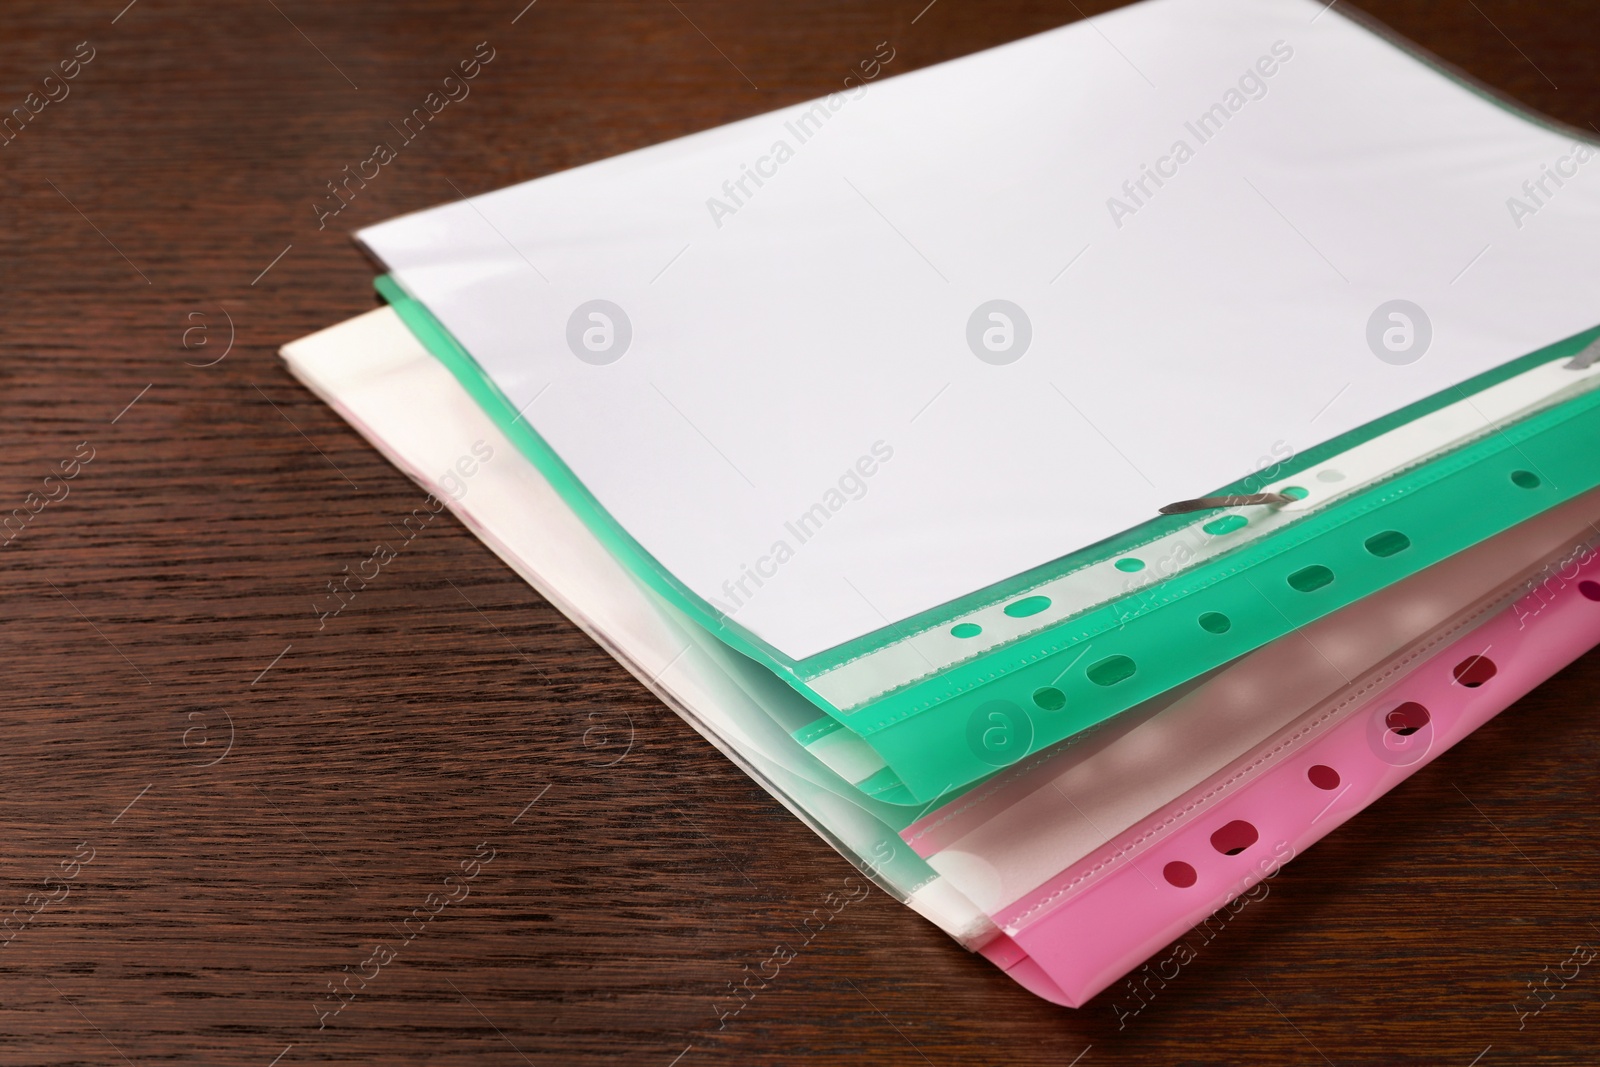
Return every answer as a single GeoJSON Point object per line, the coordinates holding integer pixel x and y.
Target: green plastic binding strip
{"type": "Point", "coordinates": [967, 721]}
{"type": "Point", "coordinates": [973, 719]}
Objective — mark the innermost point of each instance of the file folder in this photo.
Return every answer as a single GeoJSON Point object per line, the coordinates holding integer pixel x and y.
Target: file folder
{"type": "Point", "coordinates": [995, 710]}
{"type": "Point", "coordinates": [899, 421]}
{"type": "Point", "coordinates": [1018, 881]}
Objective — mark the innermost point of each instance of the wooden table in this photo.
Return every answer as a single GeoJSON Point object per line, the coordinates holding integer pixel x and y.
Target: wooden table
{"type": "Point", "coordinates": [220, 808]}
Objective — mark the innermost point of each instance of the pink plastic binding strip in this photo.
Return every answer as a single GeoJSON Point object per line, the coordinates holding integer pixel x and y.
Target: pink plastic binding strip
{"type": "Point", "coordinates": [1102, 917]}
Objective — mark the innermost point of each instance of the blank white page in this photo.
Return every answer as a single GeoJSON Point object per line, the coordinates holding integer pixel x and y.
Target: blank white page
{"type": "Point", "coordinates": [784, 337]}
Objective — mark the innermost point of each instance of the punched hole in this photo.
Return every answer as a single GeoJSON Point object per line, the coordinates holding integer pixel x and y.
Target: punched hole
{"type": "Point", "coordinates": [1215, 622]}
{"type": "Point", "coordinates": [1323, 777]}
{"type": "Point", "coordinates": [1111, 670]}
{"type": "Point", "coordinates": [1474, 671]}
{"type": "Point", "coordinates": [1226, 524]}
{"type": "Point", "coordinates": [1591, 590]}
{"type": "Point", "coordinates": [1180, 874]}
{"type": "Point", "coordinates": [1310, 579]}
{"type": "Point", "coordinates": [1407, 719]}
{"type": "Point", "coordinates": [1234, 838]}
{"type": "Point", "coordinates": [1525, 479]}
{"type": "Point", "coordinates": [1050, 698]}
{"type": "Point", "coordinates": [966, 629]}
{"type": "Point", "coordinates": [1386, 544]}
{"type": "Point", "coordinates": [1032, 605]}
{"type": "Point", "coordinates": [1129, 565]}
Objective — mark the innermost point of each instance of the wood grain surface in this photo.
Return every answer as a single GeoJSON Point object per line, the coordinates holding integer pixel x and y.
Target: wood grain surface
{"type": "Point", "coordinates": [211, 810]}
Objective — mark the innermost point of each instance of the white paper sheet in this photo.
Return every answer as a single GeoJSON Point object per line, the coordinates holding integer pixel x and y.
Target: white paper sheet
{"type": "Point", "coordinates": [788, 337]}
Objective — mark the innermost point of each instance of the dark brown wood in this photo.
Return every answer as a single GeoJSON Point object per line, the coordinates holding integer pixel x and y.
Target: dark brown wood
{"type": "Point", "coordinates": [169, 594]}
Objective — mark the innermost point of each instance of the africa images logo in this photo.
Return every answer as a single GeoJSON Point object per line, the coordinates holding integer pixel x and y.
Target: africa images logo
{"type": "Point", "coordinates": [599, 332]}
{"type": "Point", "coordinates": [999, 332]}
